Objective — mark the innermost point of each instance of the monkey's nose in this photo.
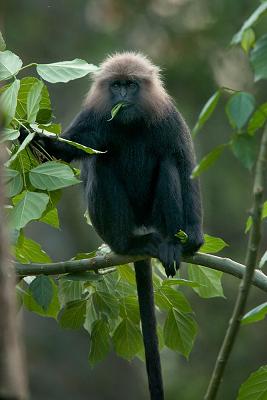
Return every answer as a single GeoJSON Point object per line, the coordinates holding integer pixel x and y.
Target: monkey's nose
{"type": "Point", "coordinates": [123, 92]}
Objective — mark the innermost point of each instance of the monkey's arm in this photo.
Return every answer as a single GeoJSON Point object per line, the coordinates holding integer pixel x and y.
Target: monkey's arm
{"type": "Point", "coordinates": [82, 130]}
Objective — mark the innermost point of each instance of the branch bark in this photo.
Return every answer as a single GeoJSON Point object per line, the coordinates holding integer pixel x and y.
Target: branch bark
{"type": "Point", "coordinates": [111, 260]}
{"type": "Point", "coordinates": [251, 260]}
{"type": "Point", "coordinates": [13, 385]}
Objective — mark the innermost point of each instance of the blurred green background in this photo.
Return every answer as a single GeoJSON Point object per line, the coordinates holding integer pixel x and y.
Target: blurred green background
{"type": "Point", "coordinates": [189, 40]}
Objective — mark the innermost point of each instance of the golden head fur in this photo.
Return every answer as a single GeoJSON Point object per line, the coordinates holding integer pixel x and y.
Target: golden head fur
{"type": "Point", "coordinates": [130, 65]}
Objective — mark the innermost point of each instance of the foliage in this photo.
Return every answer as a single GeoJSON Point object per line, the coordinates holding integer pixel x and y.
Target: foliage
{"type": "Point", "coordinates": [105, 304]}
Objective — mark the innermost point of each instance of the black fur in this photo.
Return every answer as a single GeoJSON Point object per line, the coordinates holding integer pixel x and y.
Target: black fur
{"type": "Point", "coordinates": [143, 180]}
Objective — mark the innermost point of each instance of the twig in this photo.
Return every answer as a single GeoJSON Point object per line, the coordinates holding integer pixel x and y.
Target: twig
{"type": "Point", "coordinates": [251, 260]}
{"type": "Point", "coordinates": [112, 260]}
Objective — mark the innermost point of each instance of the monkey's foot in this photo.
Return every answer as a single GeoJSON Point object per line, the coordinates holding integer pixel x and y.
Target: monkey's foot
{"type": "Point", "coordinates": [170, 256]}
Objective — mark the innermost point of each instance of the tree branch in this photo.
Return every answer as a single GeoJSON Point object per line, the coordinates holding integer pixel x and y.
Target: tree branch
{"type": "Point", "coordinates": [251, 260]}
{"type": "Point", "coordinates": [111, 260]}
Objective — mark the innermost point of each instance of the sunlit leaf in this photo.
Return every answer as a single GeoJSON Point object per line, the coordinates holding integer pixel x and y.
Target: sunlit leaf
{"type": "Point", "coordinates": [65, 71]}
{"type": "Point", "coordinates": [259, 12]}
{"type": "Point", "coordinates": [100, 342]}
{"type": "Point", "coordinates": [106, 304]}
{"type": "Point", "coordinates": [9, 100]}
{"type": "Point", "coordinates": [52, 175]}
{"type": "Point", "coordinates": [27, 251]}
{"type": "Point", "coordinates": [258, 58]}
{"type": "Point", "coordinates": [244, 147]}
{"type": "Point", "coordinates": [2, 42]}
{"type": "Point", "coordinates": [239, 108]}
{"type": "Point", "coordinates": [127, 339]}
{"type": "Point", "coordinates": [206, 111]}
{"type": "Point", "coordinates": [248, 39]}
{"type": "Point", "coordinates": [69, 290]}
{"type": "Point", "coordinates": [72, 315]}
{"type": "Point", "coordinates": [258, 119]}
{"type": "Point", "coordinates": [256, 314]}
{"type": "Point", "coordinates": [33, 101]}
{"type": "Point", "coordinates": [13, 181]}
{"type": "Point", "coordinates": [166, 298]}
{"type": "Point", "coordinates": [9, 134]}
{"type": "Point", "coordinates": [31, 305]}
{"type": "Point", "coordinates": [10, 64]}
{"type": "Point", "coordinates": [179, 332]}
{"type": "Point", "coordinates": [29, 208]}
{"type": "Point", "coordinates": [212, 244]}
{"type": "Point", "coordinates": [116, 109]}
{"type": "Point", "coordinates": [23, 145]}
{"type": "Point", "coordinates": [42, 291]}
{"type": "Point", "coordinates": [254, 388]}
{"type": "Point", "coordinates": [209, 280]}
{"type": "Point", "coordinates": [208, 160]}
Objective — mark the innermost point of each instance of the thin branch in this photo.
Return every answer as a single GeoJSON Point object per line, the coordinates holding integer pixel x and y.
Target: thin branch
{"type": "Point", "coordinates": [251, 260]}
{"type": "Point", "coordinates": [112, 260]}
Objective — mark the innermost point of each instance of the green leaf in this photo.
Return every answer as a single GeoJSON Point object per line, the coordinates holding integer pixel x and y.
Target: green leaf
{"type": "Point", "coordinates": [263, 260]}
{"type": "Point", "coordinates": [86, 276]}
{"type": "Point", "coordinates": [212, 244]}
{"type": "Point", "coordinates": [206, 111]}
{"type": "Point", "coordinates": [127, 339]}
{"type": "Point", "coordinates": [208, 160]}
{"type": "Point", "coordinates": [264, 210]}
{"type": "Point", "coordinates": [248, 224]}
{"type": "Point", "coordinates": [31, 305]}
{"type": "Point", "coordinates": [127, 274]}
{"type": "Point", "coordinates": [10, 64]}
{"type": "Point", "coordinates": [72, 316]}
{"type": "Point", "coordinates": [259, 12]}
{"type": "Point", "coordinates": [13, 181]}
{"type": "Point", "coordinates": [51, 218]}
{"type": "Point", "coordinates": [9, 134]}
{"type": "Point", "coordinates": [31, 207]}
{"type": "Point", "coordinates": [115, 110]}
{"type": "Point", "coordinates": [9, 100]}
{"type": "Point", "coordinates": [180, 332]}
{"type": "Point", "coordinates": [167, 298]}
{"type": "Point", "coordinates": [51, 135]}
{"type": "Point", "coordinates": [239, 108]}
{"type": "Point", "coordinates": [248, 40]}
{"type": "Point", "coordinates": [42, 291]}
{"type": "Point", "coordinates": [2, 42]}
{"type": "Point", "coordinates": [65, 71]}
{"type": "Point", "coordinates": [129, 308]}
{"type": "Point", "coordinates": [100, 342]}
{"type": "Point", "coordinates": [182, 282]}
{"type": "Point", "coordinates": [256, 314]}
{"type": "Point", "coordinates": [255, 388]}
{"type": "Point", "coordinates": [209, 280]}
{"type": "Point", "coordinates": [244, 147]}
{"type": "Point", "coordinates": [258, 58]}
{"type": "Point", "coordinates": [27, 250]}
{"type": "Point", "coordinates": [69, 290]}
{"type": "Point", "coordinates": [44, 113]}
{"type": "Point", "coordinates": [25, 142]}
{"type": "Point", "coordinates": [106, 304]}
{"type": "Point", "coordinates": [258, 119]}
{"type": "Point", "coordinates": [52, 175]}
{"type": "Point", "coordinates": [182, 236]}
{"type": "Point", "coordinates": [33, 101]}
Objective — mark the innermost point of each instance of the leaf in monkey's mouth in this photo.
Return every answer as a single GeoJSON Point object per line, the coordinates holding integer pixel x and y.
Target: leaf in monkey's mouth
{"type": "Point", "coordinates": [116, 109]}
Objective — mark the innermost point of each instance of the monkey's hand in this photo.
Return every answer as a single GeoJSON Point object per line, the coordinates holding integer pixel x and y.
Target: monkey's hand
{"type": "Point", "coordinates": [170, 252]}
{"type": "Point", "coordinates": [194, 242]}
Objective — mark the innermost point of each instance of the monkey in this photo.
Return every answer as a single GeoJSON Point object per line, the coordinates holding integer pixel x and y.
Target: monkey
{"type": "Point", "coordinates": [139, 190]}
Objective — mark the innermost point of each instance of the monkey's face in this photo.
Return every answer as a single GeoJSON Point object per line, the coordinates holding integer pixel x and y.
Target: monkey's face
{"type": "Point", "coordinates": [126, 91]}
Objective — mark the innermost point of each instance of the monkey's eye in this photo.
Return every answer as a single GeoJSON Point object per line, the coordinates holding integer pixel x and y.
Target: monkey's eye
{"type": "Point", "coordinates": [132, 84]}
{"type": "Point", "coordinates": [115, 85]}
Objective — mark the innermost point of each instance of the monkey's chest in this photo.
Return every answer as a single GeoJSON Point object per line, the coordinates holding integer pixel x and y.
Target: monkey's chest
{"type": "Point", "coordinates": [136, 170]}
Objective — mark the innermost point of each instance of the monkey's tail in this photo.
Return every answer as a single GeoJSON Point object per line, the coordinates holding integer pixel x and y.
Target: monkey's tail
{"type": "Point", "coordinates": [143, 273]}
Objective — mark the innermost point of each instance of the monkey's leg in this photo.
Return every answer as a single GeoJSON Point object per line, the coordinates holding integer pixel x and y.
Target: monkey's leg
{"type": "Point", "coordinates": [112, 214]}
{"type": "Point", "coordinates": [167, 215]}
